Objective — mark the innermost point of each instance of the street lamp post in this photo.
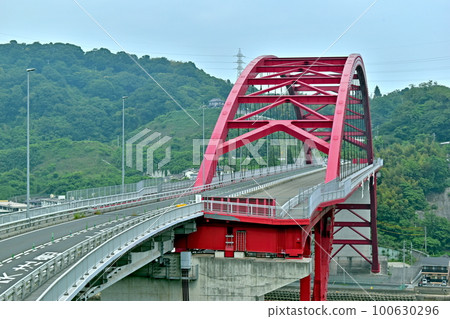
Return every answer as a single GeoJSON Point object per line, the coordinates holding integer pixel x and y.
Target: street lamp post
{"type": "Point", "coordinates": [123, 142]}
{"type": "Point", "coordinates": [203, 145]}
{"type": "Point", "coordinates": [28, 141]}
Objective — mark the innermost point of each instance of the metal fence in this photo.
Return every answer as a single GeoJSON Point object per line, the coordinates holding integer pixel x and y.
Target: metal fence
{"type": "Point", "coordinates": [145, 192]}
{"type": "Point", "coordinates": [156, 185]}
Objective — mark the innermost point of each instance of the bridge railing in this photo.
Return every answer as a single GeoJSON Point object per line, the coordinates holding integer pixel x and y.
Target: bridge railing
{"type": "Point", "coordinates": [309, 199]}
{"type": "Point", "coordinates": [244, 209]}
{"type": "Point", "coordinates": [300, 206]}
{"type": "Point", "coordinates": [110, 241]}
{"type": "Point", "coordinates": [97, 259]}
{"type": "Point", "coordinates": [147, 193]}
{"type": "Point", "coordinates": [156, 185]}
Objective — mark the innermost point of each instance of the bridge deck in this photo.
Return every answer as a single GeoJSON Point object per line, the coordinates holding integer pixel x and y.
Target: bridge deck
{"type": "Point", "coordinates": [283, 192]}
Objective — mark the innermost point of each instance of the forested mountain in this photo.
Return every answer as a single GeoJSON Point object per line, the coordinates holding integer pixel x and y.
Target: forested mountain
{"type": "Point", "coordinates": [76, 111]}
{"type": "Point", "coordinates": [78, 95]}
{"type": "Point", "coordinates": [405, 114]}
{"type": "Point", "coordinates": [411, 126]}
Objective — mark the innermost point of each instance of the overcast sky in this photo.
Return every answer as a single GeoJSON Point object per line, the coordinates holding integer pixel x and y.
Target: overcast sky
{"type": "Point", "coordinates": [402, 42]}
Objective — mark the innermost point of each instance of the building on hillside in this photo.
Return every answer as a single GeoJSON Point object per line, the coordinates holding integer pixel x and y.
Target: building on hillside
{"type": "Point", "coordinates": [435, 270]}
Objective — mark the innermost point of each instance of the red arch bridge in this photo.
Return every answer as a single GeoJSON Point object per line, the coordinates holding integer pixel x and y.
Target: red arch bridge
{"type": "Point", "coordinates": [315, 112]}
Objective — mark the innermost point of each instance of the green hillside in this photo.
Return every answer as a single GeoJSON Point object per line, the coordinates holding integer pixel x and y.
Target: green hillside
{"type": "Point", "coordinates": [405, 114]}
{"type": "Point", "coordinates": [411, 125]}
{"type": "Point", "coordinates": [78, 95]}
{"type": "Point", "coordinates": [76, 112]}
{"type": "Point", "coordinates": [60, 165]}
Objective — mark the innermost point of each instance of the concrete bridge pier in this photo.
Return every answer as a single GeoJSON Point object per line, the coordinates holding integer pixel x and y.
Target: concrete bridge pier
{"type": "Point", "coordinates": [210, 277]}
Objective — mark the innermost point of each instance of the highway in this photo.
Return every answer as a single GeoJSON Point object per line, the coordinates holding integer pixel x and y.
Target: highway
{"type": "Point", "coordinates": [21, 254]}
{"type": "Point", "coordinates": [283, 192]}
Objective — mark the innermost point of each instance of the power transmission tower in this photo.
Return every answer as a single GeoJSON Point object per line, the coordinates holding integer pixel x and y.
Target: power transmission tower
{"type": "Point", "coordinates": [240, 62]}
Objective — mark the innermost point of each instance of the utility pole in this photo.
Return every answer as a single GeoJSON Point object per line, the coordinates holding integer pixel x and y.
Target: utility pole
{"type": "Point", "coordinates": [403, 275]}
{"type": "Point", "coordinates": [410, 254]}
{"type": "Point", "coordinates": [425, 238]}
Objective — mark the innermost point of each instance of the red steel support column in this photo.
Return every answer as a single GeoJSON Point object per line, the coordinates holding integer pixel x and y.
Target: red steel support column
{"type": "Point", "coordinates": [305, 288]}
{"type": "Point", "coordinates": [373, 224]}
{"type": "Point", "coordinates": [323, 233]}
{"type": "Point", "coordinates": [305, 282]}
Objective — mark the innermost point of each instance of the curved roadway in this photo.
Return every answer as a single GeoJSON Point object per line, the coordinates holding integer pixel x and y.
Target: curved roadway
{"type": "Point", "coordinates": [23, 253]}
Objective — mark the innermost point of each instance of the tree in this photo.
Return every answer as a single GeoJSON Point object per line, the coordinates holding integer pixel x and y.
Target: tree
{"type": "Point", "coordinates": [377, 92]}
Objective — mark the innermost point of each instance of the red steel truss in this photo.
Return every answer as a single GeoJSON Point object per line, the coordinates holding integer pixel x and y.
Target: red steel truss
{"type": "Point", "coordinates": [329, 99]}
{"type": "Point", "coordinates": [329, 96]}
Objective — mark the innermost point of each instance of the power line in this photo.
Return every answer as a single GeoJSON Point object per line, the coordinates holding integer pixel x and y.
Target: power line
{"type": "Point", "coordinates": [433, 59]}
{"type": "Point", "coordinates": [393, 232]}
{"type": "Point", "coordinates": [412, 70]}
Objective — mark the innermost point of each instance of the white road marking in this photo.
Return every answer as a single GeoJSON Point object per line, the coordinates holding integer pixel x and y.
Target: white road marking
{"type": "Point", "coordinates": [46, 256]}
{"type": "Point", "coordinates": [5, 279]}
{"type": "Point", "coordinates": [29, 265]}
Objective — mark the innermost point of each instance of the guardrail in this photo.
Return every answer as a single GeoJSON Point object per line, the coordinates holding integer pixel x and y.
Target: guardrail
{"type": "Point", "coordinates": [309, 199]}
{"type": "Point", "coordinates": [15, 221]}
{"type": "Point", "coordinates": [89, 208]}
{"type": "Point", "coordinates": [71, 282]}
{"type": "Point", "coordinates": [300, 206]}
{"type": "Point", "coordinates": [145, 224]}
{"type": "Point", "coordinates": [81, 194]}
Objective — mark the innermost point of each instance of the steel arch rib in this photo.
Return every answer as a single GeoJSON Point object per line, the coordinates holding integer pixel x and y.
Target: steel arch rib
{"type": "Point", "coordinates": [313, 75]}
{"type": "Point", "coordinates": [337, 134]}
{"type": "Point", "coordinates": [209, 163]}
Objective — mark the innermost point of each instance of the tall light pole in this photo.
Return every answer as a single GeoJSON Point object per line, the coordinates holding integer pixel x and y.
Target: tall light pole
{"type": "Point", "coordinates": [203, 145]}
{"type": "Point", "coordinates": [28, 141]}
{"type": "Point", "coordinates": [123, 142]}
